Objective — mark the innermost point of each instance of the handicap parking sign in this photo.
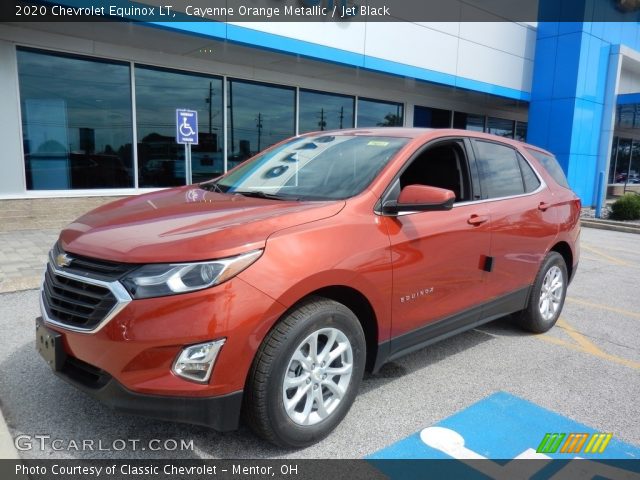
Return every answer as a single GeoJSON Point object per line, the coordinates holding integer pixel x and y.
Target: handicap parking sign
{"type": "Point", "coordinates": [187, 126]}
{"type": "Point", "coordinates": [489, 438]}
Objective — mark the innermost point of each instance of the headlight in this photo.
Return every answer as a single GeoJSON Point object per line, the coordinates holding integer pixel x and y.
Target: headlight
{"type": "Point", "coordinates": [157, 280]}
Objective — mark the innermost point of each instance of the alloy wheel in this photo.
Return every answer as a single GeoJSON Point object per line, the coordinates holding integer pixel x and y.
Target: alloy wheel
{"type": "Point", "coordinates": [317, 376]}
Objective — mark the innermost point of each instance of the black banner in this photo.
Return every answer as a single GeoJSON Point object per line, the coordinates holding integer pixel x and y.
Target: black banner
{"type": "Point", "coordinates": [320, 10]}
{"type": "Point", "coordinates": [319, 469]}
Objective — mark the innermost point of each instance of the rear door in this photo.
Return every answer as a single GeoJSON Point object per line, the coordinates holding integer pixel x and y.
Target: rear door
{"type": "Point", "coordinates": [522, 224]}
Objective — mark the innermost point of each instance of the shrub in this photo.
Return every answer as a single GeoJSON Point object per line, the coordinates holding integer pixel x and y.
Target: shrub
{"type": "Point", "coordinates": [626, 207]}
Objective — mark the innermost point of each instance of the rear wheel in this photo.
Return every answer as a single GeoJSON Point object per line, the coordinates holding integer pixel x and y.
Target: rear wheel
{"type": "Point", "coordinates": [306, 374]}
{"type": "Point", "coordinates": [547, 295]}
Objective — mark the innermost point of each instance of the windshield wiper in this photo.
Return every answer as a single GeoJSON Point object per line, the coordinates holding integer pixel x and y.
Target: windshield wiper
{"type": "Point", "coordinates": [261, 194]}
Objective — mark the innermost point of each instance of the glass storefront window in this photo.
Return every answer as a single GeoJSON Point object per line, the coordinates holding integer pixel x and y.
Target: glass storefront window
{"type": "Point", "coordinates": [377, 113]}
{"type": "Point", "coordinates": [628, 116]}
{"type": "Point", "coordinates": [78, 133]}
{"type": "Point", "coordinates": [521, 131]}
{"type": "Point", "coordinates": [500, 127]}
{"type": "Point", "coordinates": [259, 115]}
{"type": "Point", "coordinates": [159, 93]}
{"type": "Point", "coordinates": [76, 121]}
{"type": "Point", "coordinates": [324, 111]}
{"type": "Point", "coordinates": [431, 117]}
{"type": "Point", "coordinates": [624, 166]}
{"type": "Point", "coordinates": [621, 160]}
{"type": "Point", "coordinates": [468, 121]}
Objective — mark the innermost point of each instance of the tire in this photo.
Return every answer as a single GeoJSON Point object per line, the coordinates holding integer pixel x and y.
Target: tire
{"type": "Point", "coordinates": [544, 306]}
{"type": "Point", "coordinates": [317, 401]}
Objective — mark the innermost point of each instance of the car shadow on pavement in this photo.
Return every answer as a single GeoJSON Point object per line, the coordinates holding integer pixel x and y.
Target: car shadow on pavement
{"type": "Point", "coordinates": [424, 358]}
{"type": "Point", "coordinates": [36, 402]}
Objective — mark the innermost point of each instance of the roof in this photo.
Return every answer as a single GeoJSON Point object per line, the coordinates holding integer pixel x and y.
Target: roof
{"type": "Point", "coordinates": [426, 133]}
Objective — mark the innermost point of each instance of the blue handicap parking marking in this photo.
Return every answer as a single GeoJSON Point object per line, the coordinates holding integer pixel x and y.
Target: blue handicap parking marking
{"type": "Point", "coordinates": [501, 426]}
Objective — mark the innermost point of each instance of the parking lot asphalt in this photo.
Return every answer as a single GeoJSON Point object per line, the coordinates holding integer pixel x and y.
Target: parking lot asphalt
{"type": "Point", "coordinates": [587, 368]}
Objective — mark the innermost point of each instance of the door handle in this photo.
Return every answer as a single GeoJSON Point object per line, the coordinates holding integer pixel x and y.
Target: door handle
{"type": "Point", "coordinates": [543, 206]}
{"type": "Point", "coordinates": [477, 219]}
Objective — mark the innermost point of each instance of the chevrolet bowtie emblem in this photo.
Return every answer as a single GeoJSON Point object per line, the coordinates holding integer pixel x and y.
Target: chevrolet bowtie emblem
{"type": "Point", "coordinates": [63, 260]}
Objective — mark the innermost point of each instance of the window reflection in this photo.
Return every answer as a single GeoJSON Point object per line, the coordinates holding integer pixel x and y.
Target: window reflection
{"type": "Point", "coordinates": [376, 113]}
{"type": "Point", "coordinates": [159, 93]}
{"type": "Point", "coordinates": [499, 169]}
{"type": "Point", "coordinates": [431, 117]}
{"type": "Point", "coordinates": [324, 111]}
{"type": "Point", "coordinates": [259, 115]}
{"type": "Point", "coordinates": [500, 127]}
{"type": "Point", "coordinates": [468, 121]}
{"type": "Point", "coordinates": [521, 131]}
{"type": "Point", "coordinates": [76, 122]}
{"type": "Point", "coordinates": [624, 166]}
{"type": "Point", "coordinates": [628, 116]}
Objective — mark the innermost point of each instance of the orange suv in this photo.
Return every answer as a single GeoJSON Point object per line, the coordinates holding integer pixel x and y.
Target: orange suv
{"type": "Point", "coordinates": [267, 292]}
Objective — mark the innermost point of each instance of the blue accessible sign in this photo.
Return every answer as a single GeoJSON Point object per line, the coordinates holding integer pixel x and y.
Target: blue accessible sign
{"type": "Point", "coordinates": [187, 126]}
{"type": "Point", "coordinates": [487, 440]}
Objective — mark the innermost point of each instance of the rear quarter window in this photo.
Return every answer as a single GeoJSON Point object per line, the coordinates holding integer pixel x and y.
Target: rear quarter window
{"type": "Point", "coordinates": [552, 166]}
{"type": "Point", "coordinates": [500, 173]}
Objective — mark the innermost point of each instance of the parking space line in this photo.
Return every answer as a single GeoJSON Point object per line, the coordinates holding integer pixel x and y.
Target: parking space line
{"type": "Point", "coordinates": [614, 260]}
{"type": "Point", "coordinates": [586, 346]}
{"type": "Point", "coordinates": [621, 311]}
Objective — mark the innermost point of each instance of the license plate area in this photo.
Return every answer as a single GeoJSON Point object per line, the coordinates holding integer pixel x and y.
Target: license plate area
{"type": "Point", "coordinates": [49, 346]}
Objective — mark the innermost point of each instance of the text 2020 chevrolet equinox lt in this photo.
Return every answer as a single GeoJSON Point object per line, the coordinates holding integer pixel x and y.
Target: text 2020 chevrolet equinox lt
{"type": "Point", "coordinates": [266, 292]}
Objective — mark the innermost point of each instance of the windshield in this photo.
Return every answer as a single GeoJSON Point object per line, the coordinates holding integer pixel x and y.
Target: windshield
{"type": "Point", "coordinates": [322, 167]}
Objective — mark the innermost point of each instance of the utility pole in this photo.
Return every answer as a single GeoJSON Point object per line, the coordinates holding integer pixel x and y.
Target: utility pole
{"type": "Point", "coordinates": [259, 127]}
{"type": "Point", "coordinates": [322, 123]}
{"type": "Point", "coordinates": [209, 100]}
{"type": "Point", "coordinates": [230, 107]}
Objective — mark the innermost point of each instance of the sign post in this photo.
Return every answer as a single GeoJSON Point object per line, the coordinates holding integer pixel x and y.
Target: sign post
{"type": "Point", "coordinates": [187, 135]}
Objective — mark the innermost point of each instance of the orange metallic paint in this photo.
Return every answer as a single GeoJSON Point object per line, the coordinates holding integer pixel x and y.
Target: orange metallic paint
{"type": "Point", "coordinates": [307, 246]}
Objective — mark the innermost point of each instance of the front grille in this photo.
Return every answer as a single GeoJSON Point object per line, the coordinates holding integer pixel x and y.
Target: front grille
{"type": "Point", "coordinates": [75, 303]}
{"type": "Point", "coordinates": [83, 293]}
{"type": "Point", "coordinates": [102, 269]}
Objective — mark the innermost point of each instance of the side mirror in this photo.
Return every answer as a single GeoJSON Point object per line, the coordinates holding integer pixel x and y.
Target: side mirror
{"type": "Point", "coordinates": [420, 198]}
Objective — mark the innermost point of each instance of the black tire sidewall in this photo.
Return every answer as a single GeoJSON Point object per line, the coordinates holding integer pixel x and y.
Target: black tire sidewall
{"type": "Point", "coordinates": [330, 315]}
{"type": "Point", "coordinates": [534, 320]}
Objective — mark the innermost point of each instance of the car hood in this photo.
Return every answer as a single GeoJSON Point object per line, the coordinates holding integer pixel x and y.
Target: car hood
{"type": "Point", "coordinates": [185, 224]}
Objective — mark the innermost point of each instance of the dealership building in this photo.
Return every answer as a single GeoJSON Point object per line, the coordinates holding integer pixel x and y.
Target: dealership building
{"type": "Point", "coordinates": [90, 108]}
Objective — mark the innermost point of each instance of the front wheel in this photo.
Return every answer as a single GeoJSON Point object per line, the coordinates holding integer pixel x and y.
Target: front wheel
{"type": "Point", "coordinates": [547, 295]}
{"type": "Point", "coordinates": [306, 374]}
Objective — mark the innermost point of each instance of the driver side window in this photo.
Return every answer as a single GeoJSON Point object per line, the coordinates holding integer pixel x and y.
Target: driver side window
{"type": "Point", "coordinates": [444, 166]}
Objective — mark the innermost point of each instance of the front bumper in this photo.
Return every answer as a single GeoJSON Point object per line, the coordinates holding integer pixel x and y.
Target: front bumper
{"type": "Point", "coordinates": [222, 413]}
{"type": "Point", "coordinates": [139, 345]}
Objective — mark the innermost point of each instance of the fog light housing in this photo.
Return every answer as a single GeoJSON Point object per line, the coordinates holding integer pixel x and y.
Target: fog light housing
{"type": "Point", "coordinates": [195, 362]}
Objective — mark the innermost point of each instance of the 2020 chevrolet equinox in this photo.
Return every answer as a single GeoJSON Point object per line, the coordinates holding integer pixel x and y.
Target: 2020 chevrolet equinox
{"type": "Point", "coordinates": [267, 292]}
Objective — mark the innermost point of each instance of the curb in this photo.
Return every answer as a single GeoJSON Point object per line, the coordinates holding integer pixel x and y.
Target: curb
{"type": "Point", "coordinates": [7, 448]}
{"type": "Point", "coordinates": [612, 226]}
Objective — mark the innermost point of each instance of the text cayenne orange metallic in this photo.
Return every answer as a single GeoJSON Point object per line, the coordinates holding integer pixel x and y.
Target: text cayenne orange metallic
{"type": "Point", "coordinates": [268, 291]}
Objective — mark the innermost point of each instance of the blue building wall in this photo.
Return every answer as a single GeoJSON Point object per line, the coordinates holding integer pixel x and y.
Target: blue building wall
{"type": "Point", "coordinates": [568, 94]}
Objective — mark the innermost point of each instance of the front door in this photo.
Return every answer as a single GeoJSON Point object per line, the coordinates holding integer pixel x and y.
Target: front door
{"type": "Point", "coordinates": [438, 257]}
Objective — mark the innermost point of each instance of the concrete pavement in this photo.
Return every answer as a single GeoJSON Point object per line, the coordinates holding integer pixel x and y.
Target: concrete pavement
{"type": "Point", "coordinates": [585, 369]}
{"type": "Point", "coordinates": [28, 229]}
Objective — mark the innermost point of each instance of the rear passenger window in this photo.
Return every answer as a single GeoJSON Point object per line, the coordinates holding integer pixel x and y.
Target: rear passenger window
{"type": "Point", "coordinates": [552, 166]}
{"type": "Point", "coordinates": [499, 170]}
{"type": "Point", "coordinates": [531, 181]}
